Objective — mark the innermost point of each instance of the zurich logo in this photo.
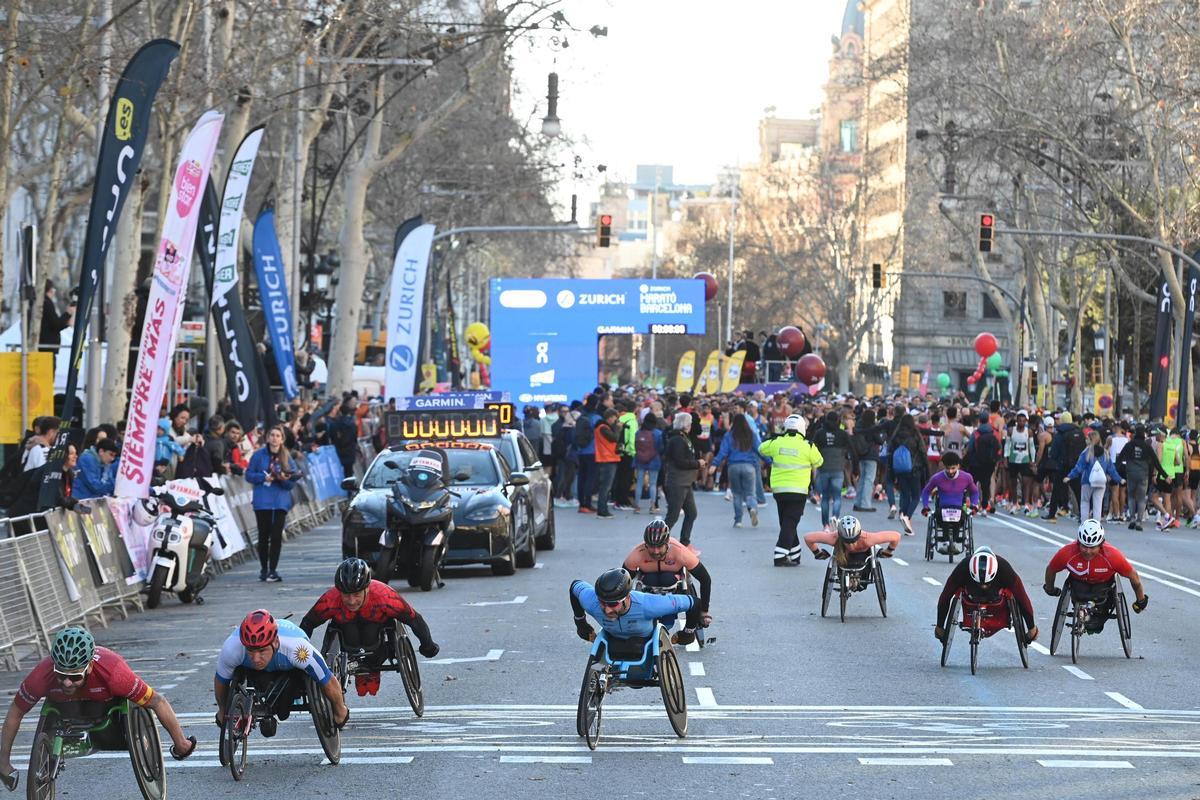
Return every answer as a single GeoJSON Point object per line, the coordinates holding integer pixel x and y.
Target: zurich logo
{"type": "Point", "coordinates": [401, 358]}
{"type": "Point", "coordinates": [566, 298]}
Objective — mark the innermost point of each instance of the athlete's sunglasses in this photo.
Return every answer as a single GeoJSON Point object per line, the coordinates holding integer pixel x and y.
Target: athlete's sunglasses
{"type": "Point", "coordinates": [70, 677]}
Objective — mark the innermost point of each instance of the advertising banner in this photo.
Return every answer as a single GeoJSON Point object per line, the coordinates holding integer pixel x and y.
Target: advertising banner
{"type": "Point", "coordinates": [1189, 318]}
{"type": "Point", "coordinates": [272, 288]}
{"type": "Point", "coordinates": [732, 371]}
{"type": "Point", "coordinates": [1171, 418]}
{"type": "Point", "coordinates": [41, 392]}
{"type": "Point", "coordinates": [710, 376]}
{"type": "Point", "coordinates": [1160, 374]}
{"type": "Point", "coordinates": [406, 307]}
{"type": "Point", "coordinates": [165, 306]}
{"type": "Point", "coordinates": [685, 374]}
{"type": "Point", "coordinates": [451, 401]}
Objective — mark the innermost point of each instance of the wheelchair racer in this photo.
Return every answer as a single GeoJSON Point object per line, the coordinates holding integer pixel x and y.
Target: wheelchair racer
{"type": "Point", "coordinates": [626, 615]}
{"type": "Point", "coordinates": [985, 579]}
{"type": "Point", "coordinates": [84, 681]}
{"type": "Point", "coordinates": [851, 540]}
{"type": "Point", "coordinates": [661, 559]}
{"type": "Point", "coordinates": [953, 485]}
{"type": "Point", "coordinates": [265, 648]}
{"type": "Point", "coordinates": [1093, 565]}
{"type": "Point", "coordinates": [360, 608]}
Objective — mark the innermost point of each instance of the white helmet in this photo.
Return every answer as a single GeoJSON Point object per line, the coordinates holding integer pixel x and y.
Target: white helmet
{"type": "Point", "coordinates": [849, 529]}
{"type": "Point", "coordinates": [796, 423]}
{"type": "Point", "coordinates": [1091, 533]}
{"type": "Point", "coordinates": [144, 512]}
{"type": "Point", "coordinates": [984, 565]}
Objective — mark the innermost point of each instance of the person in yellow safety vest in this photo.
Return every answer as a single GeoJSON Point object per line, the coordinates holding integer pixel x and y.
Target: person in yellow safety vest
{"type": "Point", "coordinates": [624, 497]}
{"type": "Point", "coordinates": [793, 459]}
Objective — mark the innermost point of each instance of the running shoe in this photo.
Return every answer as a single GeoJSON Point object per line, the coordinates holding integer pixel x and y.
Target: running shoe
{"type": "Point", "coordinates": [754, 517]}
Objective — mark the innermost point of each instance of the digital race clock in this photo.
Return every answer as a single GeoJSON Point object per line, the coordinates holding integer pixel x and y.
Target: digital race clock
{"type": "Point", "coordinates": [424, 425]}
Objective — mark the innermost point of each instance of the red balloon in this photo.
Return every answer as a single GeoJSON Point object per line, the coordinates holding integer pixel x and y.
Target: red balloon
{"type": "Point", "coordinates": [791, 340]}
{"type": "Point", "coordinates": [710, 284]}
{"type": "Point", "coordinates": [810, 369]}
{"type": "Point", "coordinates": [986, 344]}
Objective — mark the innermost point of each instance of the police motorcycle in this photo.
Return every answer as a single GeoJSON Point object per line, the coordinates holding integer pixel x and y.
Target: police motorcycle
{"type": "Point", "coordinates": [420, 518]}
{"type": "Point", "coordinates": [181, 543]}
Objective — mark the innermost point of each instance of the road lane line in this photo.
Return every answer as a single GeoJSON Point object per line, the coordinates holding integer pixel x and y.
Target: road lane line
{"type": "Point", "coordinates": [716, 760]}
{"type": "Point", "coordinates": [706, 697]}
{"type": "Point", "coordinates": [696, 669]}
{"type": "Point", "coordinates": [168, 686]}
{"type": "Point", "coordinates": [931, 581]}
{"type": "Point", "coordinates": [692, 647]}
{"type": "Point", "coordinates": [516, 601]}
{"type": "Point", "coordinates": [492, 655]}
{"type": "Point", "coordinates": [545, 759]}
{"type": "Point", "coordinates": [1037, 648]}
{"type": "Point", "coordinates": [900, 561]}
{"type": "Point", "coordinates": [906, 762]}
{"type": "Point", "coordinates": [1078, 673]}
{"type": "Point", "coordinates": [1072, 764]}
{"type": "Point", "coordinates": [540, 565]}
{"type": "Point", "coordinates": [1125, 701]}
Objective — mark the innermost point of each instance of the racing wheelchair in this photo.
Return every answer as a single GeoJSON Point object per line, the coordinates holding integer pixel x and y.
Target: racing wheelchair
{"type": "Point", "coordinates": [391, 652]}
{"type": "Point", "coordinates": [981, 619]}
{"type": "Point", "coordinates": [863, 570]}
{"type": "Point", "coordinates": [60, 736]}
{"type": "Point", "coordinates": [614, 663]}
{"type": "Point", "coordinates": [248, 704]}
{"type": "Point", "coordinates": [949, 526]}
{"type": "Point", "coordinates": [1077, 607]}
{"type": "Point", "coordinates": [672, 583]}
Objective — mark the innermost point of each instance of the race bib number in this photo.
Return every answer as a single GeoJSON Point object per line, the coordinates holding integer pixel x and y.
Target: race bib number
{"type": "Point", "coordinates": [951, 514]}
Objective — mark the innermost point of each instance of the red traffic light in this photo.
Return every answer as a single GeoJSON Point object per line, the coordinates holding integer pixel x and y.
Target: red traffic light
{"type": "Point", "coordinates": [987, 220]}
{"type": "Point", "coordinates": [606, 219]}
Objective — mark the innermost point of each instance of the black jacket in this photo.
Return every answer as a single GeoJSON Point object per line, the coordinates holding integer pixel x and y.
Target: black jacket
{"type": "Point", "coordinates": [679, 459]}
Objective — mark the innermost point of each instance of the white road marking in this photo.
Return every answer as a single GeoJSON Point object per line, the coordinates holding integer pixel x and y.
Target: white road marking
{"type": "Point", "coordinates": [706, 697]}
{"type": "Point", "coordinates": [168, 686]}
{"type": "Point", "coordinates": [714, 760]}
{"type": "Point", "coordinates": [1072, 764]}
{"type": "Point", "coordinates": [932, 581]}
{"type": "Point", "coordinates": [545, 759]}
{"type": "Point", "coordinates": [695, 669]}
{"type": "Point", "coordinates": [492, 655]}
{"type": "Point", "coordinates": [1125, 701]}
{"type": "Point", "coordinates": [1037, 648]}
{"type": "Point", "coordinates": [900, 561]}
{"type": "Point", "coordinates": [692, 647]}
{"type": "Point", "coordinates": [516, 601]}
{"type": "Point", "coordinates": [906, 762]}
{"type": "Point", "coordinates": [539, 565]}
{"type": "Point", "coordinates": [1077, 672]}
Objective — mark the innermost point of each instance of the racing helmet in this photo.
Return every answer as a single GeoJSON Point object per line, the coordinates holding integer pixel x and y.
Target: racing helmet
{"type": "Point", "coordinates": [72, 650]}
{"type": "Point", "coordinates": [849, 529]}
{"type": "Point", "coordinates": [353, 575]}
{"type": "Point", "coordinates": [258, 629]}
{"type": "Point", "coordinates": [144, 512]}
{"type": "Point", "coordinates": [613, 585]}
{"type": "Point", "coordinates": [984, 565]}
{"type": "Point", "coordinates": [657, 533]}
{"type": "Point", "coordinates": [797, 423]}
{"type": "Point", "coordinates": [1091, 533]}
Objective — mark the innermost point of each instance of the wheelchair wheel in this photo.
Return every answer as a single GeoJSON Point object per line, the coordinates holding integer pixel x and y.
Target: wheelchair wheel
{"type": "Point", "coordinates": [1123, 626]}
{"type": "Point", "coordinates": [880, 586]}
{"type": "Point", "coordinates": [43, 767]}
{"type": "Point", "coordinates": [1076, 634]}
{"type": "Point", "coordinates": [827, 587]}
{"type": "Point", "coordinates": [1060, 618]}
{"type": "Point", "coordinates": [321, 712]}
{"type": "Point", "coordinates": [930, 531]}
{"type": "Point", "coordinates": [410, 673]}
{"type": "Point", "coordinates": [581, 719]}
{"type": "Point", "coordinates": [670, 682]}
{"type": "Point", "coordinates": [951, 627]}
{"type": "Point", "coordinates": [843, 591]}
{"type": "Point", "coordinates": [1018, 626]}
{"type": "Point", "coordinates": [968, 538]}
{"type": "Point", "coordinates": [335, 656]}
{"type": "Point", "coordinates": [591, 698]}
{"type": "Point", "coordinates": [236, 732]}
{"type": "Point", "coordinates": [145, 751]}
{"type": "Point", "coordinates": [976, 637]}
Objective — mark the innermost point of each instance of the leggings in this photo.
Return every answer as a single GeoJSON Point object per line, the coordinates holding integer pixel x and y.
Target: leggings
{"type": "Point", "coordinates": [1137, 497]}
{"type": "Point", "coordinates": [270, 537]}
{"type": "Point", "coordinates": [1091, 501]}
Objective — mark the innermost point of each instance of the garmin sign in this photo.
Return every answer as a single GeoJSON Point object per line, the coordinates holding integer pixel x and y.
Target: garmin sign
{"type": "Point", "coordinates": [545, 331]}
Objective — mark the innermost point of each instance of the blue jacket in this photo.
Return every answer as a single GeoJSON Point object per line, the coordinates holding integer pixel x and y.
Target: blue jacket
{"type": "Point", "coordinates": [273, 496]}
{"type": "Point", "coordinates": [93, 479]}
{"type": "Point", "coordinates": [1083, 467]}
{"type": "Point", "coordinates": [730, 451]}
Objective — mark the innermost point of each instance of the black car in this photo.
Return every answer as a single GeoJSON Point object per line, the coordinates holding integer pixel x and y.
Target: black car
{"type": "Point", "coordinates": [493, 519]}
{"type": "Point", "coordinates": [521, 456]}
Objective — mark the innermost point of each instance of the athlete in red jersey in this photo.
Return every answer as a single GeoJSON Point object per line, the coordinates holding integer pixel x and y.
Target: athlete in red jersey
{"type": "Point", "coordinates": [83, 680]}
{"type": "Point", "coordinates": [1093, 566]}
{"type": "Point", "coordinates": [360, 607]}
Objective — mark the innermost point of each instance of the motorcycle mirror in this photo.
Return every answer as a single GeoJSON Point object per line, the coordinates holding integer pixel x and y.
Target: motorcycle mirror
{"type": "Point", "coordinates": [349, 484]}
{"type": "Point", "coordinates": [217, 490]}
{"type": "Point", "coordinates": [390, 464]}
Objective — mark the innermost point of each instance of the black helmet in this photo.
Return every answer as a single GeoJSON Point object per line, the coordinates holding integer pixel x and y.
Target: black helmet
{"type": "Point", "coordinates": [657, 533]}
{"type": "Point", "coordinates": [353, 575]}
{"type": "Point", "coordinates": [613, 585]}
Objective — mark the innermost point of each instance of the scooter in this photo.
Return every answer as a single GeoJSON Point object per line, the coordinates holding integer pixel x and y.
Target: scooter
{"type": "Point", "coordinates": [181, 543]}
{"type": "Point", "coordinates": [420, 520]}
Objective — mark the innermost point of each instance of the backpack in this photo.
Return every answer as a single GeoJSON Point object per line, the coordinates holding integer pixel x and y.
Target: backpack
{"type": "Point", "coordinates": [585, 433]}
{"type": "Point", "coordinates": [1097, 477]}
{"type": "Point", "coordinates": [983, 448]}
{"type": "Point", "coordinates": [643, 446]}
{"type": "Point", "coordinates": [1073, 444]}
{"type": "Point", "coordinates": [902, 462]}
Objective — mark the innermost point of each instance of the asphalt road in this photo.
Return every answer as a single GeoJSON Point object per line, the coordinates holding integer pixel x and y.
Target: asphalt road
{"type": "Point", "coordinates": [783, 704]}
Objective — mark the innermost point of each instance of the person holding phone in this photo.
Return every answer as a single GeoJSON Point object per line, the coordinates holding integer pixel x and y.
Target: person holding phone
{"type": "Point", "coordinates": [273, 472]}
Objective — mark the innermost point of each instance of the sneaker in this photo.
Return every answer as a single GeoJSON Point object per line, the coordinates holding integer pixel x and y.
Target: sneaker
{"type": "Point", "coordinates": [738, 525]}
{"type": "Point", "coordinates": [786, 562]}
{"type": "Point", "coordinates": [586, 510]}
{"type": "Point", "coordinates": [262, 574]}
{"type": "Point", "coordinates": [892, 512]}
{"type": "Point", "coordinates": [1137, 526]}
{"type": "Point", "coordinates": [274, 577]}
{"type": "Point", "coordinates": [563, 504]}
{"type": "Point", "coordinates": [605, 516]}
{"type": "Point", "coordinates": [655, 510]}
{"type": "Point", "coordinates": [729, 495]}
{"type": "Point", "coordinates": [362, 685]}
{"type": "Point", "coordinates": [269, 726]}
{"type": "Point", "coordinates": [908, 531]}
{"type": "Point", "coordinates": [754, 517]}
{"type": "Point", "coordinates": [1133, 526]}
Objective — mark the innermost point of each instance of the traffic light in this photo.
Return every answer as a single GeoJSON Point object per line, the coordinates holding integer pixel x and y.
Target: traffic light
{"type": "Point", "coordinates": [877, 276]}
{"type": "Point", "coordinates": [987, 232]}
{"type": "Point", "coordinates": [604, 230]}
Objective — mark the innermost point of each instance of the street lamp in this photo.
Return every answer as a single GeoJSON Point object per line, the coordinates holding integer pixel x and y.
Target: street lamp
{"type": "Point", "coordinates": [551, 124]}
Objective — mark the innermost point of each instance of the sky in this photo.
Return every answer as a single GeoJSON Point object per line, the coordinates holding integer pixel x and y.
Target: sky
{"type": "Point", "coordinates": [680, 82]}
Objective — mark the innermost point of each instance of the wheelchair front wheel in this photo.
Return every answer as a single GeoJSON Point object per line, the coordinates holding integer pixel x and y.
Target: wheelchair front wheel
{"type": "Point", "coordinates": [335, 656]}
{"type": "Point", "coordinates": [591, 698]}
{"type": "Point", "coordinates": [1123, 626]}
{"type": "Point", "coordinates": [1060, 619]}
{"type": "Point", "coordinates": [410, 673]}
{"type": "Point", "coordinates": [827, 588]}
{"type": "Point", "coordinates": [843, 590]}
{"type": "Point", "coordinates": [674, 693]}
{"type": "Point", "coordinates": [145, 751]}
{"type": "Point", "coordinates": [1018, 626]}
{"type": "Point", "coordinates": [880, 586]}
{"type": "Point", "coordinates": [930, 530]}
{"type": "Point", "coordinates": [321, 712]}
{"type": "Point", "coordinates": [581, 720]}
{"type": "Point", "coordinates": [236, 731]}
{"type": "Point", "coordinates": [43, 766]}
{"type": "Point", "coordinates": [976, 637]}
{"type": "Point", "coordinates": [951, 627]}
{"type": "Point", "coordinates": [1076, 634]}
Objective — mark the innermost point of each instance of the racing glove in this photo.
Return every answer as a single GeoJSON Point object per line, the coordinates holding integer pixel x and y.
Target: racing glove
{"type": "Point", "coordinates": [1052, 590]}
{"type": "Point", "coordinates": [11, 780]}
{"type": "Point", "coordinates": [820, 555]}
{"type": "Point", "coordinates": [1140, 605]}
{"type": "Point", "coordinates": [584, 630]}
{"type": "Point", "coordinates": [179, 755]}
{"type": "Point", "coordinates": [925, 511]}
{"type": "Point", "coordinates": [429, 649]}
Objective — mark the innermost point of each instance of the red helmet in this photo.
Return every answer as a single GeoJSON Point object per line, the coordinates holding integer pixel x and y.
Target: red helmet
{"type": "Point", "coordinates": [258, 629]}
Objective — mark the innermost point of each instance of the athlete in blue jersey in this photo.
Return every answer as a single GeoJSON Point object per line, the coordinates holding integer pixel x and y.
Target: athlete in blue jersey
{"type": "Point", "coordinates": [626, 614]}
{"type": "Point", "coordinates": [261, 646]}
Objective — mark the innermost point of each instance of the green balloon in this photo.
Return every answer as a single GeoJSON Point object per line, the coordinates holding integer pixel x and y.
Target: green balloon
{"type": "Point", "coordinates": [943, 380]}
{"type": "Point", "coordinates": [995, 362]}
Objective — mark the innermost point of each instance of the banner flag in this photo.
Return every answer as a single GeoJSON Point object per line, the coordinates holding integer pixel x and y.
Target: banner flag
{"type": "Point", "coordinates": [685, 374]}
{"type": "Point", "coordinates": [406, 305]}
{"type": "Point", "coordinates": [1161, 366]}
{"type": "Point", "coordinates": [272, 288]}
{"type": "Point", "coordinates": [710, 376]}
{"type": "Point", "coordinates": [1185, 348]}
{"type": "Point", "coordinates": [1102, 403]}
{"type": "Point", "coordinates": [236, 342]}
{"type": "Point", "coordinates": [233, 201]}
{"type": "Point", "coordinates": [733, 372]}
{"type": "Point", "coordinates": [164, 307]}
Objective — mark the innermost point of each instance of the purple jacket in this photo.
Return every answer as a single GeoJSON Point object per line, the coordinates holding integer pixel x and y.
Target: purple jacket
{"type": "Point", "coordinates": [951, 492]}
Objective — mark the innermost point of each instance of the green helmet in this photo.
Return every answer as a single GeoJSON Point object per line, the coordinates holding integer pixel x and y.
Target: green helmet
{"type": "Point", "coordinates": [72, 650]}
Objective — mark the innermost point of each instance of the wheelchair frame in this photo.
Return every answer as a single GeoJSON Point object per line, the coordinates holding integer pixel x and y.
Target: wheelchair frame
{"type": "Point", "coordinates": [935, 534]}
{"type": "Point", "coordinates": [683, 585]}
{"type": "Point", "coordinates": [974, 627]}
{"type": "Point", "coordinates": [400, 657]}
{"type": "Point", "coordinates": [1069, 613]}
{"type": "Point", "coordinates": [840, 577]}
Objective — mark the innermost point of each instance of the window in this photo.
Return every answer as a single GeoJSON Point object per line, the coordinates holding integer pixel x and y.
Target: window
{"type": "Point", "coordinates": [989, 308]}
{"type": "Point", "coordinates": [954, 305]}
{"type": "Point", "coordinates": [849, 136]}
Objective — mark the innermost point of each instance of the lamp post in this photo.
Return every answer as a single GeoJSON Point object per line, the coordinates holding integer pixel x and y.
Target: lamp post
{"type": "Point", "coordinates": [551, 124]}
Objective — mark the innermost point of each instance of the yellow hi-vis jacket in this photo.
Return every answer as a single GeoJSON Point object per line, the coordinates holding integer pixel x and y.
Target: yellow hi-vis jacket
{"type": "Point", "coordinates": [793, 459]}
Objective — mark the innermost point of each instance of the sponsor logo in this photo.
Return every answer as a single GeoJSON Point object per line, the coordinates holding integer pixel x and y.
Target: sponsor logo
{"type": "Point", "coordinates": [302, 654]}
{"type": "Point", "coordinates": [242, 167]}
{"type": "Point", "coordinates": [565, 298]}
{"type": "Point", "coordinates": [526, 397]}
{"type": "Point", "coordinates": [615, 329]}
{"type": "Point", "coordinates": [170, 265]}
{"type": "Point", "coordinates": [543, 353]}
{"type": "Point", "coordinates": [602, 299]}
{"type": "Point", "coordinates": [187, 186]}
{"type": "Point", "coordinates": [541, 378]}
{"type": "Point", "coordinates": [401, 358]}
{"type": "Point", "coordinates": [123, 120]}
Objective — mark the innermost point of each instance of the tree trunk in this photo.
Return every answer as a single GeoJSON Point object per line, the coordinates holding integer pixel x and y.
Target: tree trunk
{"type": "Point", "coordinates": [349, 302]}
{"type": "Point", "coordinates": [123, 304]}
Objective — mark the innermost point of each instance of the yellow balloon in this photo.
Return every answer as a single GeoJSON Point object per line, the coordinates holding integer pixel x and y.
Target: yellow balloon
{"type": "Point", "coordinates": [479, 340]}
